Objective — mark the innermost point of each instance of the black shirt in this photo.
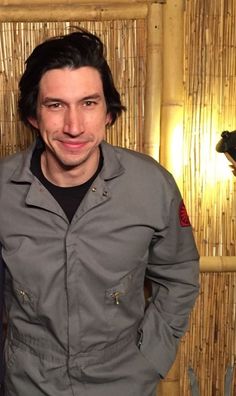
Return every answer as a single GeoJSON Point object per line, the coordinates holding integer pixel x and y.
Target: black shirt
{"type": "Point", "coordinates": [69, 198]}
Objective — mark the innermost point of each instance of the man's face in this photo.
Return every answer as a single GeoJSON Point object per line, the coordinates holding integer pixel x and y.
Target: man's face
{"type": "Point", "coordinates": [71, 116]}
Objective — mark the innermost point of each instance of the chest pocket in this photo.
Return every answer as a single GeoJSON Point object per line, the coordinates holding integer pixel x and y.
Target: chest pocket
{"type": "Point", "coordinates": [115, 294]}
{"type": "Point", "coordinates": [18, 295]}
{"type": "Point", "coordinates": [125, 301]}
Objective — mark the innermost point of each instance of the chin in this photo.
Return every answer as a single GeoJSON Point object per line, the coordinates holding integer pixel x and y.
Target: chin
{"type": "Point", "coordinates": [67, 165]}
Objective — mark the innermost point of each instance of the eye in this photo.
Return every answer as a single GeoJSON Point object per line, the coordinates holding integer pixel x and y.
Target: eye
{"type": "Point", "coordinates": [53, 105]}
{"type": "Point", "coordinates": [89, 103]}
{"type": "Point", "coordinates": [56, 105]}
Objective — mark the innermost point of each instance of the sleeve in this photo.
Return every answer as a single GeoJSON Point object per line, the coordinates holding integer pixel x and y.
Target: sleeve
{"type": "Point", "coordinates": [173, 271]}
{"type": "Point", "coordinates": [1, 325]}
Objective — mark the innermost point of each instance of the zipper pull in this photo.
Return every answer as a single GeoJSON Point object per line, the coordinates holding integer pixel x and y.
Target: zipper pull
{"type": "Point", "coordinates": [24, 296]}
{"type": "Point", "coordinates": [116, 296]}
{"type": "Point", "coordinates": [140, 338]}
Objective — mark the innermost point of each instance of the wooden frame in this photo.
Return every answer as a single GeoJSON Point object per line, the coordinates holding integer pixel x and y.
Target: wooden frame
{"type": "Point", "coordinates": [40, 11]}
{"type": "Point", "coordinates": [218, 264]}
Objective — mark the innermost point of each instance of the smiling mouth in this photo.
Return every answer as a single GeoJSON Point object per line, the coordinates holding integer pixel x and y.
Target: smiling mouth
{"type": "Point", "coordinates": [73, 145]}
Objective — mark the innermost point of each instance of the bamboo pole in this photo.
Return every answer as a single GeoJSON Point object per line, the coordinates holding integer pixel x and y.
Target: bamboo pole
{"type": "Point", "coordinates": [70, 2]}
{"type": "Point", "coordinates": [218, 263]}
{"type": "Point", "coordinates": [153, 81]}
{"type": "Point", "coordinates": [172, 92]}
{"type": "Point", "coordinates": [71, 12]}
{"type": "Point", "coordinates": [172, 122]}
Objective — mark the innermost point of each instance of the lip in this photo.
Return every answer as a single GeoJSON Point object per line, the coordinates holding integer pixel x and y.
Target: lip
{"type": "Point", "coordinates": [73, 145]}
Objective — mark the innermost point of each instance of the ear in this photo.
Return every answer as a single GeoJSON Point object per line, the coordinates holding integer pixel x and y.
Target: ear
{"type": "Point", "coordinates": [33, 122]}
{"type": "Point", "coordinates": [108, 119]}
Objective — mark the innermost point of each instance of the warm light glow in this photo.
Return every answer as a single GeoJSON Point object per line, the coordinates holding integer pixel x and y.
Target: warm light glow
{"type": "Point", "coordinates": [209, 166]}
{"type": "Point", "coordinates": [222, 168]}
{"type": "Point", "coordinates": [172, 141]}
{"type": "Point", "coordinates": [217, 165]}
{"type": "Point", "coordinates": [176, 151]}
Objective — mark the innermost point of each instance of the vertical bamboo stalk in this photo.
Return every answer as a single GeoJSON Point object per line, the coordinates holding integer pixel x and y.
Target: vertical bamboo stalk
{"type": "Point", "coordinates": [172, 126]}
{"type": "Point", "coordinates": [172, 89]}
{"type": "Point", "coordinates": [151, 140]}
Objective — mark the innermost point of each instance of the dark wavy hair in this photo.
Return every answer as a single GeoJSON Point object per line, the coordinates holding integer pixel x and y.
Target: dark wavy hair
{"type": "Point", "coordinates": [74, 50]}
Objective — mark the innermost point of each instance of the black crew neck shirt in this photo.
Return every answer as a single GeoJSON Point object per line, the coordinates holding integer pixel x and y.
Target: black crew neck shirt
{"type": "Point", "coordinates": [69, 198]}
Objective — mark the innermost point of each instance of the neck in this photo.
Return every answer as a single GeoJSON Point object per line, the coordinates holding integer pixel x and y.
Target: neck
{"type": "Point", "coordinates": [66, 176]}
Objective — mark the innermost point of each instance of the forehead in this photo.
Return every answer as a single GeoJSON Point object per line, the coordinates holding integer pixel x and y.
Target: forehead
{"type": "Point", "coordinates": [83, 79]}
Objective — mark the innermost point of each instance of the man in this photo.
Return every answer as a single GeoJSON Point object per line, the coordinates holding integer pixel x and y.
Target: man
{"type": "Point", "coordinates": [82, 224]}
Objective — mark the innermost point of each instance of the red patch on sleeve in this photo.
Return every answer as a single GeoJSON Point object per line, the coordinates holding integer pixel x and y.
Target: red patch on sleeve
{"type": "Point", "coordinates": [183, 216]}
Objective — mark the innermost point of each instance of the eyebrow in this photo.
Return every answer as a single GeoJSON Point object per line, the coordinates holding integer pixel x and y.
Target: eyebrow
{"type": "Point", "coordinates": [55, 99]}
{"type": "Point", "coordinates": [94, 96]}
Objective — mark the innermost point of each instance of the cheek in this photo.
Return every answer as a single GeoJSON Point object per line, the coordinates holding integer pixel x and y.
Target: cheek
{"type": "Point", "coordinates": [52, 124]}
{"type": "Point", "coordinates": [96, 123]}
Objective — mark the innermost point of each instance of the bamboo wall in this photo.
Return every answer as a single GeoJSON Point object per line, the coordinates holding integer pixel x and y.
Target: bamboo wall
{"type": "Point", "coordinates": [209, 190]}
{"type": "Point", "coordinates": [209, 108]}
{"type": "Point", "coordinates": [174, 63]}
{"type": "Point", "coordinates": [209, 347]}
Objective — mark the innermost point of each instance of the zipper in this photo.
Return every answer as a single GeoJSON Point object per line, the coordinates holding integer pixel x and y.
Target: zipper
{"type": "Point", "coordinates": [24, 296]}
{"type": "Point", "coordinates": [115, 295]}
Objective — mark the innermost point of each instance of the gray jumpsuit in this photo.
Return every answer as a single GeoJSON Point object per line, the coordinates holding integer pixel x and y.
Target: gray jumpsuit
{"type": "Point", "coordinates": [78, 322]}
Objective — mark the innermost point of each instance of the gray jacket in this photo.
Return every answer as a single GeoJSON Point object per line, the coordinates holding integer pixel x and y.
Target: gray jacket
{"type": "Point", "coordinates": [78, 323]}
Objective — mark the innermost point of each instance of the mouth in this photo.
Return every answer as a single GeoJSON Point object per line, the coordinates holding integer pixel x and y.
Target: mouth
{"type": "Point", "coordinates": [73, 145]}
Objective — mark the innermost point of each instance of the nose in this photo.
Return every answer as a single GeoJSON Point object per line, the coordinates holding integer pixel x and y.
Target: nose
{"type": "Point", "coordinates": [73, 122]}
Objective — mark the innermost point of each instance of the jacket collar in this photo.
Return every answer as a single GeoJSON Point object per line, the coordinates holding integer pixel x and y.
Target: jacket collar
{"type": "Point", "coordinates": [112, 166]}
{"type": "Point", "coordinates": [22, 172]}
